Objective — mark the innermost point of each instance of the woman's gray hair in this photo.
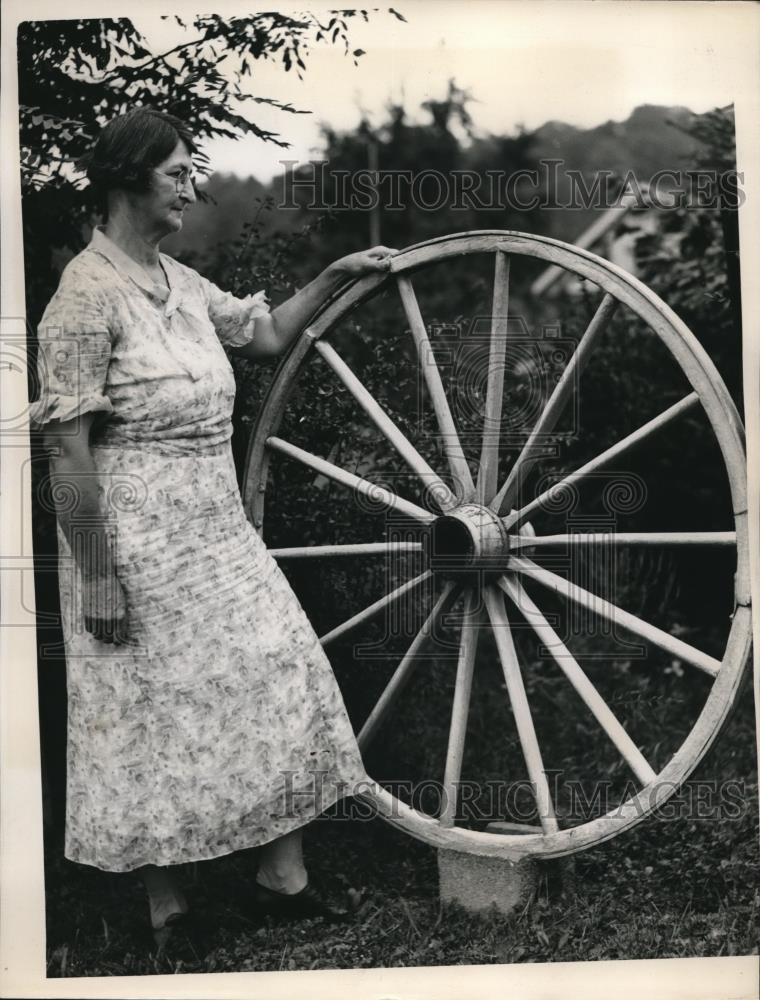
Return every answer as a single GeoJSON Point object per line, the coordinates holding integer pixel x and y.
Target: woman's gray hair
{"type": "Point", "coordinates": [130, 146]}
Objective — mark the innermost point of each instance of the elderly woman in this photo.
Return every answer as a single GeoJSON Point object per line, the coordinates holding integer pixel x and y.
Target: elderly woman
{"type": "Point", "coordinates": [204, 717]}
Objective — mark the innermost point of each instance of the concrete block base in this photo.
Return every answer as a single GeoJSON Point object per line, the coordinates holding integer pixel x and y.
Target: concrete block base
{"type": "Point", "coordinates": [482, 884]}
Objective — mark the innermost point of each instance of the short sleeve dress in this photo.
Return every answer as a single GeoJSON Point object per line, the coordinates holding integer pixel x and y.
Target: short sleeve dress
{"type": "Point", "coordinates": [219, 726]}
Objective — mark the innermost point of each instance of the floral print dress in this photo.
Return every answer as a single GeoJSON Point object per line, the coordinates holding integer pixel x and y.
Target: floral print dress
{"type": "Point", "coordinates": [219, 726]}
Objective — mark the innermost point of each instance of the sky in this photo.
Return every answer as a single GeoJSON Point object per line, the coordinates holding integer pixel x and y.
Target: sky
{"type": "Point", "coordinates": [524, 63]}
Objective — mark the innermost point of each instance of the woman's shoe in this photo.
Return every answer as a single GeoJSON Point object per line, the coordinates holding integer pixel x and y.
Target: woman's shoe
{"type": "Point", "coordinates": [173, 922]}
{"type": "Point", "coordinates": [302, 905]}
{"type": "Point", "coordinates": [167, 903]}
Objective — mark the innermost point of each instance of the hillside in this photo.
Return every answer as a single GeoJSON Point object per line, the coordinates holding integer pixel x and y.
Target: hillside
{"type": "Point", "coordinates": [652, 138]}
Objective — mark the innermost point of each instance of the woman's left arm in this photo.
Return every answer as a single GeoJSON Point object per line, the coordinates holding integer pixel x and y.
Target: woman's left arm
{"type": "Point", "coordinates": [276, 330]}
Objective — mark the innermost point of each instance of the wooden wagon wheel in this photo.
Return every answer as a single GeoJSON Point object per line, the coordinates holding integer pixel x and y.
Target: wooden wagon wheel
{"type": "Point", "coordinates": [485, 523]}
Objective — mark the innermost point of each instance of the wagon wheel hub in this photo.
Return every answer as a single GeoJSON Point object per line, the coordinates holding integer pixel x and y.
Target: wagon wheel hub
{"type": "Point", "coordinates": [469, 539]}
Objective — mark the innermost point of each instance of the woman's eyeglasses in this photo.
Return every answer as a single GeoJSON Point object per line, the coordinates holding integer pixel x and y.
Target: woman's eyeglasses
{"type": "Point", "coordinates": [180, 177]}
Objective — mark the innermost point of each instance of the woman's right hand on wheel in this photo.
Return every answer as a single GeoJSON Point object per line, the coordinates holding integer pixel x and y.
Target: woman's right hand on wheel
{"type": "Point", "coordinates": [105, 608]}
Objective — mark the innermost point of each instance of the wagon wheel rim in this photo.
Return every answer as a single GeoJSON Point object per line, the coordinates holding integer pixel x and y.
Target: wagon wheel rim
{"type": "Point", "coordinates": [505, 597]}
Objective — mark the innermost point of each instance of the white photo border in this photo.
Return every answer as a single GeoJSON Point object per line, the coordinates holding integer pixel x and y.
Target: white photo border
{"type": "Point", "coordinates": [22, 934]}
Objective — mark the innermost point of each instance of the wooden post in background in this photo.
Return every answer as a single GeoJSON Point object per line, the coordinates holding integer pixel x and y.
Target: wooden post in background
{"type": "Point", "coordinates": [374, 212]}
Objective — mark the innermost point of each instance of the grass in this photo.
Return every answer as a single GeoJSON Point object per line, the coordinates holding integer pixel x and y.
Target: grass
{"type": "Point", "coordinates": [672, 887]}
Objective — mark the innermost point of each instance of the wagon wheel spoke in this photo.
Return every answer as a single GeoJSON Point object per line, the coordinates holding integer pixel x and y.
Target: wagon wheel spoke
{"type": "Point", "coordinates": [624, 538]}
{"type": "Point", "coordinates": [583, 686]}
{"type": "Point", "coordinates": [488, 469]}
{"type": "Point", "coordinates": [604, 609]}
{"type": "Point", "coordinates": [505, 498]}
{"type": "Point", "coordinates": [497, 614]}
{"type": "Point", "coordinates": [405, 670]}
{"type": "Point", "coordinates": [468, 644]}
{"type": "Point", "coordinates": [379, 494]}
{"type": "Point", "coordinates": [377, 607]}
{"type": "Point", "coordinates": [460, 470]}
{"type": "Point", "coordinates": [348, 549]}
{"type": "Point", "coordinates": [615, 451]}
{"type": "Point", "coordinates": [442, 495]}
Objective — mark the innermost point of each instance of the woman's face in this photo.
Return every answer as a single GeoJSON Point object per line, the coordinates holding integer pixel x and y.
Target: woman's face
{"type": "Point", "coordinates": [171, 191]}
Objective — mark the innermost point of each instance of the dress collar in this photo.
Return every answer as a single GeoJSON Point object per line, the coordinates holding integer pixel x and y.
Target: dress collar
{"type": "Point", "coordinates": [129, 267]}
